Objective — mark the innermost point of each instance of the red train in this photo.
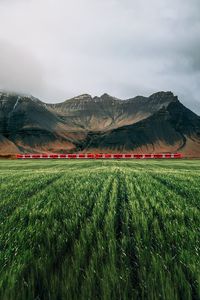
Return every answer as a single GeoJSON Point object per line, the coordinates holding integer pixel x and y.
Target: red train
{"type": "Point", "coordinates": [100, 156]}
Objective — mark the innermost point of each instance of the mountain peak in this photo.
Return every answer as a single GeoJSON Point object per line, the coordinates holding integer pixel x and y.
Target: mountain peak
{"type": "Point", "coordinates": [12, 96]}
{"type": "Point", "coordinates": [106, 96]}
{"type": "Point", "coordinates": [162, 95]}
{"type": "Point", "coordinates": [83, 97]}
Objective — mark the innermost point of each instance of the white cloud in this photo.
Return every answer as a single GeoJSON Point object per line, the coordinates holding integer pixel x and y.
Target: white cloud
{"type": "Point", "coordinates": [123, 48]}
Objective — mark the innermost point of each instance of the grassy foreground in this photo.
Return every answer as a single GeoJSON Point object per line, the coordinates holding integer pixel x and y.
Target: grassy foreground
{"type": "Point", "coordinates": [99, 230]}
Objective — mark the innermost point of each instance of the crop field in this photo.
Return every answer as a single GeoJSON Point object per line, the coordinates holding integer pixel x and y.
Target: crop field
{"type": "Point", "coordinates": [99, 229]}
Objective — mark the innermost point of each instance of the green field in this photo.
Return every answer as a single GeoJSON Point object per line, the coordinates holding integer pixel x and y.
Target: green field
{"type": "Point", "coordinates": [99, 230]}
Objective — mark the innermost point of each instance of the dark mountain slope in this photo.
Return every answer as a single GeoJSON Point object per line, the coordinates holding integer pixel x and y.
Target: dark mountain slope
{"type": "Point", "coordinates": [107, 112]}
{"type": "Point", "coordinates": [7, 147]}
{"type": "Point", "coordinates": [169, 129]}
{"type": "Point", "coordinates": [28, 123]}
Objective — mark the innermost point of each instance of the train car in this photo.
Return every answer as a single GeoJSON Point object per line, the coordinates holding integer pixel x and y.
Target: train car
{"type": "Point", "coordinates": [81, 156]}
{"type": "Point", "coordinates": [100, 156]}
{"type": "Point", "coordinates": [138, 156]}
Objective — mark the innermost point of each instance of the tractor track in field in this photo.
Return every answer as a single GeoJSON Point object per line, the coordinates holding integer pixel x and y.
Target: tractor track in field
{"type": "Point", "coordinates": [73, 239]}
{"type": "Point", "coordinates": [65, 256]}
{"type": "Point", "coordinates": [182, 193]}
{"type": "Point", "coordinates": [92, 249]}
{"type": "Point", "coordinates": [27, 195]}
{"type": "Point", "coordinates": [61, 255]}
{"type": "Point", "coordinates": [8, 216]}
{"type": "Point", "coordinates": [96, 252]}
{"type": "Point", "coordinates": [126, 253]}
{"type": "Point", "coordinates": [161, 223]}
{"type": "Point", "coordinates": [97, 221]}
{"type": "Point", "coordinates": [120, 202]}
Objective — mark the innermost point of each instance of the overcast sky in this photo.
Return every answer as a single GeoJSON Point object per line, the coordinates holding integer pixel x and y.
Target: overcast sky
{"type": "Point", "coordinates": [56, 49]}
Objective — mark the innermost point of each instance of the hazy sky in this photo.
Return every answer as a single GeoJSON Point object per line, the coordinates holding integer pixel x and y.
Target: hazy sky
{"type": "Point", "coordinates": [56, 49]}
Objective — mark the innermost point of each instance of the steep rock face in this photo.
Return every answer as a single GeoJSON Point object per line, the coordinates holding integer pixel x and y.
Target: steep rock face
{"type": "Point", "coordinates": [7, 147]}
{"type": "Point", "coordinates": [172, 128]}
{"type": "Point", "coordinates": [29, 124]}
{"type": "Point", "coordinates": [107, 112]}
{"type": "Point", "coordinates": [20, 112]}
{"type": "Point", "coordinates": [159, 123]}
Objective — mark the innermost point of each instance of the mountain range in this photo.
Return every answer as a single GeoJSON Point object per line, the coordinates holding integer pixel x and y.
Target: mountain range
{"type": "Point", "coordinates": [159, 123]}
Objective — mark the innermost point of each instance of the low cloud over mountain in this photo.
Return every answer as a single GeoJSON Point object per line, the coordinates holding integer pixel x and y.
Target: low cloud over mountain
{"type": "Point", "coordinates": [56, 48]}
